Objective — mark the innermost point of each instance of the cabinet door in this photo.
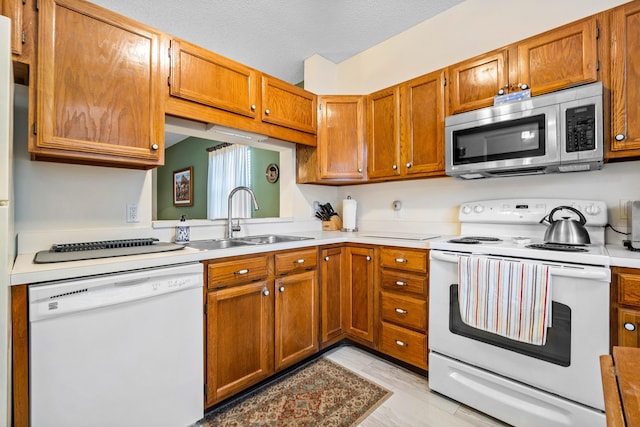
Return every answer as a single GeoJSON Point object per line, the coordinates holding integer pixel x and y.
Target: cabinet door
{"type": "Point", "coordinates": [628, 328]}
{"type": "Point", "coordinates": [359, 298]}
{"type": "Point", "coordinates": [207, 78]}
{"type": "Point", "coordinates": [625, 80]}
{"type": "Point", "coordinates": [423, 124]}
{"type": "Point", "coordinates": [239, 339]}
{"type": "Point", "coordinates": [384, 133]}
{"type": "Point", "coordinates": [14, 9]}
{"type": "Point", "coordinates": [296, 318]}
{"type": "Point", "coordinates": [341, 138]}
{"type": "Point", "coordinates": [99, 87]}
{"type": "Point", "coordinates": [474, 83]}
{"type": "Point", "coordinates": [287, 105]}
{"type": "Point", "coordinates": [331, 293]}
{"type": "Point", "coordinates": [559, 58]}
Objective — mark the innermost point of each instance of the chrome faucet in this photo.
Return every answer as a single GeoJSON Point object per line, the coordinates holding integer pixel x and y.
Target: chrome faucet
{"type": "Point", "coordinates": [230, 227]}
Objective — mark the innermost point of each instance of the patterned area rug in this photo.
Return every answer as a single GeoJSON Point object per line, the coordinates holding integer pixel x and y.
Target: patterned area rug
{"type": "Point", "coordinates": [321, 393]}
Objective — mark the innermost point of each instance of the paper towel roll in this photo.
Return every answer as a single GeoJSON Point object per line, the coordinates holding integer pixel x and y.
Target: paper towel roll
{"type": "Point", "coordinates": [349, 214]}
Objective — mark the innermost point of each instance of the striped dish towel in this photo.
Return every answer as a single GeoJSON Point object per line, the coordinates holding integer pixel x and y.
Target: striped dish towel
{"type": "Point", "coordinates": [512, 299]}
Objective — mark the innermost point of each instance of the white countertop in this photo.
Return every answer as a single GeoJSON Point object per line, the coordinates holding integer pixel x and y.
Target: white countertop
{"type": "Point", "coordinates": [25, 271]}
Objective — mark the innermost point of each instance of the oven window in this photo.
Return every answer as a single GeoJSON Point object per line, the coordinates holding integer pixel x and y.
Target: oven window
{"type": "Point", "coordinates": [557, 349]}
{"type": "Point", "coordinates": [500, 141]}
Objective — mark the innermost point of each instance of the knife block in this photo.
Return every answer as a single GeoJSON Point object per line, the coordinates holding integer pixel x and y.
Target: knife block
{"type": "Point", "coordinates": [335, 223]}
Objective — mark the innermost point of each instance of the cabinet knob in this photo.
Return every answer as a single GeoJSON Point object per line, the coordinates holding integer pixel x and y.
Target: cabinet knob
{"type": "Point", "coordinates": [281, 288]}
{"type": "Point", "coordinates": [245, 271]}
{"type": "Point", "coordinates": [154, 147]}
{"type": "Point", "coordinates": [359, 170]}
{"type": "Point", "coordinates": [401, 343]}
{"type": "Point", "coordinates": [501, 92]}
{"type": "Point", "coordinates": [394, 167]}
{"type": "Point", "coordinates": [619, 137]}
{"type": "Point", "coordinates": [326, 258]}
{"type": "Point", "coordinates": [368, 258]}
{"type": "Point", "coordinates": [630, 326]}
{"type": "Point", "coordinates": [401, 260]}
{"type": "Point", "coordinates": [253, 107]}
{"type": "Point", "coordinates": [523, 86]}
{"type": "Point", "coordinates": [267, 112]}
{"type": "Point", "coordinates": [401, 311]}
{"type": "Point", "coordinates": [399, 283]}
{"type": "Point", "coordinates": [409, 165]}
{"type": "Point", "coordinates": [265, 292]}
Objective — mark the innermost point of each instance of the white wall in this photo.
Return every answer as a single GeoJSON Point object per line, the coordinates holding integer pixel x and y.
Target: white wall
{"type": "Point", "coordinates": [466, 30]}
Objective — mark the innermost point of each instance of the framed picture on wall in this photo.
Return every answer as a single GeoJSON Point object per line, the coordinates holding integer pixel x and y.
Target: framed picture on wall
{"type": "Point", "coordinates": [183, 187]}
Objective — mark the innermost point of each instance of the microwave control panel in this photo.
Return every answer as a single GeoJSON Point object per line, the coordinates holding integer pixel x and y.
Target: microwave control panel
{"type": "Point", "coordinates": [581, 128]}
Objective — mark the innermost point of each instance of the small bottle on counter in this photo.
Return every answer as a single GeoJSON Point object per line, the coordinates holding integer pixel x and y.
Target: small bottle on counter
{"type": "Point", "coordinates": [182, 231]}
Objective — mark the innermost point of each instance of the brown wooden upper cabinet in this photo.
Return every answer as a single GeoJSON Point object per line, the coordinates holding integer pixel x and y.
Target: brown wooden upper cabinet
{"type": "Point", "coordinates": [383, 120]}
{"type": "Point", "coordinates": [99, 89]}
{"type": "Point", "coordinates": [341, 149]}
{"type": "Point", "coordinates": [210, 79]}
{"type": "Point", "coordinates": [422, 124]}
{"type": "Point", "coordinates": [287, 105]}
{"type": "Point", "coordinates": [625, 81]}
{"type": "Point", "coordinates": [544, 63]}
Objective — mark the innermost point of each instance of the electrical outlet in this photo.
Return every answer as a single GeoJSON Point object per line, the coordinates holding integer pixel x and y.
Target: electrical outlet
{"type": "Point", "coordinates": [623, 208]}
{"type": "Point", "coordinates": [132, 212]}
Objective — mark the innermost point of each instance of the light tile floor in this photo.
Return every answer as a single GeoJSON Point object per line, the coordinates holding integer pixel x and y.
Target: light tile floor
{"type": "Point", "coordinates": [412, 403]}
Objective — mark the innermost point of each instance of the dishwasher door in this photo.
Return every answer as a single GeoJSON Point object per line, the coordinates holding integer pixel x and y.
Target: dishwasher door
{"type": "Point", "coordinates": [118, 350]}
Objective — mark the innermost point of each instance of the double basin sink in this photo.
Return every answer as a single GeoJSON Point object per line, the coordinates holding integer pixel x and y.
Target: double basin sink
{"type": "Point", "coordinates": [244, 241]}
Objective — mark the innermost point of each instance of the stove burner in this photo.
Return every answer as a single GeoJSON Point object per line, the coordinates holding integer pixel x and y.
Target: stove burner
{"type": "Point", "coordinates": [557, 247]}
{"type": "Point", "coordinates": [471, 240]}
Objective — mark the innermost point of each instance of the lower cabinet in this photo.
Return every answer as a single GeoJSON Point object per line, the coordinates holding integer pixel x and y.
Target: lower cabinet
{"type": "Point", "coordinates": [359, 294]}
{"type": "Point", "coordinates": [332, 283]}
{"type": "Point", "coordinates": [258, 323]}
{"type": "Point", "coordinates": [625, 303]}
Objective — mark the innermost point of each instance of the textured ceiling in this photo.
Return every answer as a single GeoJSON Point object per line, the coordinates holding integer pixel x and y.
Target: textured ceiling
{"type": "Point", "coordinates": [277, 36]}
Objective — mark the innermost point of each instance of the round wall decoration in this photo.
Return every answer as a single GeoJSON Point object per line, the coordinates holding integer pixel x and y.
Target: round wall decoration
{"type": "Point", "coordinates": [273, 173]}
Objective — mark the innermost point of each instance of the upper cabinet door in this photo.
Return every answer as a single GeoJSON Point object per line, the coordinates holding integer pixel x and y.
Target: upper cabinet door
{"type": "Point", "coordinates": [625, 81]}
{"type": "Point", "coordinates": [423, 124]}
{"type": "Point", "coordinates": [341, 137]}
{"type": "Point", "coordinates": [384, 133]}
{"type": "Point", "coordinates": [287, 105]}
{"type": "Point", "coordinates": [475, 82]}
{"type": "Point", "coordinates": [207, 78]}
{"type": "Point", "coordinates": [559, 58]}
{"type": "Point", "coordinates": [99, 87]}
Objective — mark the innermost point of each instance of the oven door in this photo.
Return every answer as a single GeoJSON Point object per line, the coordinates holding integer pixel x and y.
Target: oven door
{"type": "Point", "coordinates": [567, 365]}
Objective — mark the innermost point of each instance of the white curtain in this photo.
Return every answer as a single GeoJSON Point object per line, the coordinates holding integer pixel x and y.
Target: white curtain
{"type": "Point", "coordinates": [229, 167]}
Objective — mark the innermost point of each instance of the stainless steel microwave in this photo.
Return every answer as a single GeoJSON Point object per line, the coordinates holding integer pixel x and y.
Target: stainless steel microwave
{"type": "Point", "coordinates": [557, 132]}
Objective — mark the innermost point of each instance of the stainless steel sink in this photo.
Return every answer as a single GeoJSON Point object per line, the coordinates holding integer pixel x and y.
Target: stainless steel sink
{"type": "Point", "coordinates": [244, 241]}
{"type": "Point", "coordinates": [271, 238]}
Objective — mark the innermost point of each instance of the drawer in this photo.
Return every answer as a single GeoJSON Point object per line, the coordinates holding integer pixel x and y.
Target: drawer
{"type": "Point", "coordinates": [629, 289]}
{"type": "Point", "coordinates": [404, 344]}
{"type": "Point", "coordinates": [236, 272]}
{"type": "Point", "coordinates": [288, 262]}
{"type": "Point", "coordinates": [404, 282]}
{"type": "Point", "coordinates": [404, 259]}
{"type": "Point", "coordinates": [403, 310]}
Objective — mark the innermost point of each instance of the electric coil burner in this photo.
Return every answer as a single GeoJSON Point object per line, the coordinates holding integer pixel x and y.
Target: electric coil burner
{"type": "Point", "coordinates": [471, 240]}
{"type": "Point", "coordinates": [558, 247]}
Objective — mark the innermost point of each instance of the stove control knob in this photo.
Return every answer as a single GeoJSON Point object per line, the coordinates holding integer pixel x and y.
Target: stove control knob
{"type": "Point", "coordinates": [466, 209]}
{"type": "Point", "coordinates": [592, 210]}
{"type": "Point", "coordinates": [478, 209]}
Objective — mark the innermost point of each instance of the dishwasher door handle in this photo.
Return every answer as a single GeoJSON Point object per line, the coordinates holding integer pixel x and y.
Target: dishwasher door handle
{"type": "Point", "coordinates": [132, 282]}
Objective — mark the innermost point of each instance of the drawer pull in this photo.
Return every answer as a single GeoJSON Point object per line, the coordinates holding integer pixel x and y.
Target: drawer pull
{"type": "Point", "coordinates": [401, 311]}
{"type": "Point", "coordinates": [245, 271]}
{"type": "Point", "coordinates": [401, 260]}
{"type": "Point", "coordinates": [299, 261]}
{"type": "Point", "coordinates": [401, 343]}
{"type": "Point", "coordinates": [399, 283]}
{"type": "Point", "coordinates": [630, 326]}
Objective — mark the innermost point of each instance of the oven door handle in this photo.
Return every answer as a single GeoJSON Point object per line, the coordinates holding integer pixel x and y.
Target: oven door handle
{"type": "Point", "coordinates": [445, 256]}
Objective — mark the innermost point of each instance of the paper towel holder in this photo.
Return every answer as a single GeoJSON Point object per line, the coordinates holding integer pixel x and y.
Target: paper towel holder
{"type": "Point", "coordinates": [344, 229]}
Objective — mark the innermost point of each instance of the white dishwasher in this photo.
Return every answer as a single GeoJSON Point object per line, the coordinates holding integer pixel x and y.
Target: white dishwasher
{"type": "Point", "coordinates": [122, 349]}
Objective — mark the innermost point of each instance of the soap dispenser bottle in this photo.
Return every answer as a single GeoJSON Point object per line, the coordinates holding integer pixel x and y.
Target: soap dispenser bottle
{"type": "Point", "coordinates": [182, 231]}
